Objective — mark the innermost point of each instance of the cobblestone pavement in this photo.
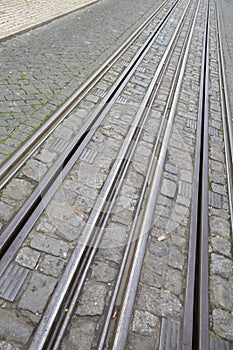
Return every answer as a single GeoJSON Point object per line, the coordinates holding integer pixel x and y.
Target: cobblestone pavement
{"type": "Point", "coordinates": [40, 261]}
{"type": "Point", "coordinates": [226, 10]}
{"type": "Point", "coordinates": [40, 69]}
{"type": "Point", "coordinates": [17, 16]}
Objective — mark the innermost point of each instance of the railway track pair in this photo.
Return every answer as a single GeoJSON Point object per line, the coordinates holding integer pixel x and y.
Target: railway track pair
{"type": "Point", "coordinates": [60, 308]}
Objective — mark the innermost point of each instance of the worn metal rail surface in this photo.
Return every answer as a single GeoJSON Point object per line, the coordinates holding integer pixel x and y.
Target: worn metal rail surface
{"type": "Point", "coordinates": [137, 312]}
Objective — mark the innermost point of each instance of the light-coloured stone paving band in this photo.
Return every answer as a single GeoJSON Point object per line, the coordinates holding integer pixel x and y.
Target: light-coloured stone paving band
{"type": "Point", "coordinates": [18, 16]}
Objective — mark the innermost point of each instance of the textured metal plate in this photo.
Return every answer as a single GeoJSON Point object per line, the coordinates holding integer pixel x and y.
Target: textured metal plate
{"type": "Point", "coordinates": [59, 145]}
{"type": "Point", "coordinates": [141, 69]}
{"type": "Point", "coordinates": [100, 93]}
{"type": "Point", "coordinates": [213, 131]}
{"type": "Point", "coordinates": [185, 189]}
{"type": "Point", "coordinates": [121, 99]}
{"type": "Point", "coordinates": [215, 200]}
{"type": "Point", "coordinates": [170, 335]}
{"type": "Point", "coordinates": [11, 281]}
{"type": "Point", "coordinates": [88, 155]}
{"type": "Point", "coordinates": [219, 344]}
{"type": "Point", "coordinates": [192, 124]}
{"type": "Point", "coordinates": [124, 63]}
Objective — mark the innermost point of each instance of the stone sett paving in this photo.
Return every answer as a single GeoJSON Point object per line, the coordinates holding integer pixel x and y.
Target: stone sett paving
{"type": "Point", "coordinates": [221, 274]}
{"type": "Point", "coordinates": [163, 276]}
{"type": "Point", "coordinates": [164, 269]}
{"type": "Point", "coordinates": [19, 15]}
{"type": "Point", "coordinates": [54, 242]}
{"type": "Point", "coordinates": [226, 10]}
{"type": "Point", "coordinates": [20, 187]}
{"type": "Point", "coordinates": [40, 69]}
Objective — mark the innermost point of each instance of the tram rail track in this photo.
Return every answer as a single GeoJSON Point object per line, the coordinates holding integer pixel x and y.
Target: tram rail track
{"type": "Point", "coordinates": [15, 162]}
{"type": "Point", "coordinates": [77, 145]}
{"type": "Point", "coordinates": [82, 256]}
{"type": "Point", "coordinates": [114, 328]}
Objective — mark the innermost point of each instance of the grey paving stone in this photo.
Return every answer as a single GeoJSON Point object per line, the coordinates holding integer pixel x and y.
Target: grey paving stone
{"type": "Point", "coordinates": [103, 272]}
{"type": "Point", "coordinates": [46, 156]}
{"type": "Point", "coordinates": [45, 225]}
{"type": "Point", "coordinates": [67, 231]}
{"type": "Point", "coordinates": [17, 189]}
{"type": "Point", "coordinates": [223, 324]}
{"type": "Point", "coordinates": [180, 210]}
{"type": "Point", "coordinates": [27, 257]}
{"type": "Point", "coordinates": [145, 323]}
{"type": "Point", "coordinates": [220, 265]}
{"type": "Point", "coordinates": [92, 300]}
{"type": "Point", "coordinates": [153, 271]}
{"type": "Point", "coordinates": [219, 226]}
{"type": "Point", "coordinates": [59, 212]}
{"type": "Point", "coordinates": [37, 293]}
{"type": "Point", "coordinates": [13, 328]}
{"type": "Point", "coordinates": [221, 292]}
{"type": "Point", "coordinates": [159, 249]}
{"type": "Point", "coordinates": [168, 306]}
{"type": "Point", "coordinates": [176, 258]}
{"type": "Point", "coordinates": [221, 246]}
{"type": "Point", "coordinates": [174, 281]}
{"type": "Point", "coordinates": [138, 342]}
{"type": "Point", "coordinates": [112, 254]}
{"type": "Point", "coordinates": [217, 166]}
{"type": "Point", "coordinates": [171, 169]}
{"type": "Point", "coordinates": [34, 170]}
{"type": "Point", "coordinates": [168, 188]}
{"type": "Point", "coordinates": [6, 346]}
{"type": "Point", "coordinates": [51, 265]}
{"type": "Point", "coordinates": [80, 335]}
{"type": "Point", "coordinates": [186, 175]}
{"type": "Point", "coordinates": [218, 178]}
{"type": "Point", "coordinates": [6, 211]}
{"type": "Point", "coordinates": [49, 245]}
{"type": "Point", "coordinates": [219, 189]}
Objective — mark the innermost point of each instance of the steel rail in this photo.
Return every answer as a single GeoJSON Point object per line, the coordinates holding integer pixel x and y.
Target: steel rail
{"type": "Point", "coordinates": [226, 117]}
{"type": "Point", "coordinates": [62, 322]}
{"type": "Point", "coordinates": [50, 315]}
{"type": "Point", "coordinates": [145, 226]}
{"type": "Point", "coordinates": [130, 247]}
{"type": "Point", "coordinates": [196, 312]}
{"type": "Point", "coordinates": [202, 295]}
{"type": "Point", "coordinates": [15, 162]}
{"type": "Point", "coordinates": [33, 207]}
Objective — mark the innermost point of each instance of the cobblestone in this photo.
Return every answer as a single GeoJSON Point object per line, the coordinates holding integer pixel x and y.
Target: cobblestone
{"type": "Point", "coordinates": [221, 292]}
{"type": "Point", "coordinates": [92, 300]}
{"type": "Point", "coordinates": [144, 323]}
{"type": "Point", "coordinates": [223, 323]}
{"type": "Point", "coordinates": [6, 346]}
{"type": "Point", "coordinates": [51, 265]}
{"type": "Point", "coordinates": [50, 245]}
{"type": "Point", "coordinates": [169, 305]}
{"type": "Point", "coordinates": [162, 284]}
{"type": "Point", "coordinates": [81, 335]}
{"type": "Point", "coordinates": [226, 8]}
{"type": "Point", "coordinates": [40, 74]}
{"type": "Point", "coordinates": [37, 293]}
{"type": "Point", "coordinates": [27, 257]}
{"type": "Point", "coordinates": [103, 271]}
{"type": "Point", "coordinates": [221, 265]}
{"type": "Point", "coordinates": [14, 329]}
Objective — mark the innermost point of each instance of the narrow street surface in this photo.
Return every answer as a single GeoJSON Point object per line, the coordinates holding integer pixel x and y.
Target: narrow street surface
{"type": "Point", "coordinates": [116, 178]}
